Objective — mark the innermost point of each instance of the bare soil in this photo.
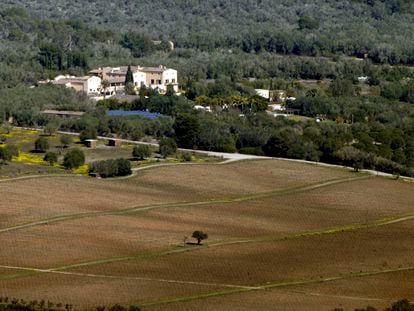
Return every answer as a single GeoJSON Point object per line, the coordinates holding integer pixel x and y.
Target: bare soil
{"type": "Point", "coordinates": [263, 221]}
{"type": "Point", "coordinates": [260, 262]}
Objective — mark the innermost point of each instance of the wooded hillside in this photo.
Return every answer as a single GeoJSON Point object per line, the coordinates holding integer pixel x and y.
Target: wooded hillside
{"type": "Point", "coordinates": [380, 28]}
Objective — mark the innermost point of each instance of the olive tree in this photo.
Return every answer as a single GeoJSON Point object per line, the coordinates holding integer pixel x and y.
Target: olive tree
{"type": "Point", "coordinates": [41, 144]}
{"type": "Point", "coordinates": [74, 158]}
{"type": "Point", "coordinates": [141, 152]}
{"type": "Point", "coordinates": [199, 236]}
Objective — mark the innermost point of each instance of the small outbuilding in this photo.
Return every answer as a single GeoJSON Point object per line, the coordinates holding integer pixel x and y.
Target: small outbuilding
{"type": "Point", "coordinates": [91, 143]}
{"type": "Point", "coordinates": [114, 142]}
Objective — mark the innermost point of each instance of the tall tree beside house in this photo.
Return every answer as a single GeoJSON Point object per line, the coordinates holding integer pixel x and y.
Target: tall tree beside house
{"type": "Point", "coordinates": [129, 82]}
{"type": "Point", "coordinates": [129, 78]}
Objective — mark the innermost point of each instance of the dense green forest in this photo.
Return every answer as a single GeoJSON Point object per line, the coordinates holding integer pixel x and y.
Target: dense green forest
{"type": "Point", "coordinates": [380, 28]}
{"type": "Point", "coordinates": [223, 51]}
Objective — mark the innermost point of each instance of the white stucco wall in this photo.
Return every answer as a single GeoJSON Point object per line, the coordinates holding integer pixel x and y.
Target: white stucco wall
{"type": "Point", "coordinates": [92, 85]}
{"type": "Point", "coordinates": [139, 78]}
{"type": "Point", "coordinates": [169, 76]}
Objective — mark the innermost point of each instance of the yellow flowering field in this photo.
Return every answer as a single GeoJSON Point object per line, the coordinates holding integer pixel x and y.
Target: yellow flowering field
{"type": "Point", "coordinates": [29, 158]}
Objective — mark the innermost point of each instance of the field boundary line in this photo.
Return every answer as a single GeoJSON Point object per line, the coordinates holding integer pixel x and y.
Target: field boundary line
{"type": "Point", "coordinates": [272, 286]}
{"type": "Point", "coordinates": [276, 238]}
{"type": "Point", "coordinates": [11, 179]}
{"type": "Point", "coordinates": [338, 296]}
{"type": "Point", "coordinates": [105, 276]}
{"type": "Point", "coordinates": [140, 209]}
{"type": "Point", "coordinates": [147, 255]}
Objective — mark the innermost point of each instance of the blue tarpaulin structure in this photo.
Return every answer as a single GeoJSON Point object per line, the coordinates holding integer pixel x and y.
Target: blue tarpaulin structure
{"type": "Point", "coordinates": [140, 113]}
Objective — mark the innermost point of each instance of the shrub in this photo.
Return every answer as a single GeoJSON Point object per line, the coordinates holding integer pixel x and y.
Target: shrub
{"type": "Point", "coordinates": [124, 167]}
{"type": "Point", "coordinates": [117, 307]}
{"type": "Point", "coordinates": [41, 144]}
{"type": "Point", "coordinates": [51, 158]}
{"type": "Point", "coordinates": [104, 169]}
{"type": "Point", "coordinates": [51, 128]}
{"type": "Point", "coordinates": [65, 140]}
{"type": "Point", "coordinates": [111, 168]}
{"type": "Point", "coordinates": [74, 158]}
{"type": "Point", "coordinates": [186, 157]}
{"type": "Point", "coordinates": [225, 144]}
{"type": "Point", "coordinates": [387, 166]}
{"type": "Point", "coordinates": [8, 152]}
{"type": "Point", "coordinates": [168, 146]}
{"type": "Point", "coordinates": [88, 133]}
{"type": "Point", "coordinates": [141, 152]}
{"type": "Point", "coordinates": [252, 150]}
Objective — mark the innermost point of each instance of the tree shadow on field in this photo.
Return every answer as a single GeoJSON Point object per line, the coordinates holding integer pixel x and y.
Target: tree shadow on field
{"type": "Point", "coordinates": [36, 151]}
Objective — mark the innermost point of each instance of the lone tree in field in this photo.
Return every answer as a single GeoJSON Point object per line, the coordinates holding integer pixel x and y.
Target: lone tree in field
{"type": "Point", "coordinates": [51, 128]}
{"type": "Point", "coordinates": [65, 140]}
{"type": "Point", "coordinates": [7, 153]}
{"type": "Point", "coordinates": [41, 144]}
{"type": "Point", "coordinates": [74, 158]}
{"type": "Point", "coordinates": [141, 152]}
{"type": "Point", "coordinates": [199, 236]}
{"type": "Point", "coordinates": [168, 146]}
{"type": "Point", "coordinates": [51, 158]}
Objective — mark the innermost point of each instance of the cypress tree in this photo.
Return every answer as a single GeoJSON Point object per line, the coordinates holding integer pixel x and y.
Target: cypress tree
{"type": "Point", "coordinates": [129, 78]}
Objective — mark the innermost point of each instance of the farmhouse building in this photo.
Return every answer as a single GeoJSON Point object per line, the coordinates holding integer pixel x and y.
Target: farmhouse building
{"type": "Point", "coordinates": [87, 84]}
{"type": "Point", "coordinates": [158, 78]}
{"type": "Point", "coordinates": [154, 77]}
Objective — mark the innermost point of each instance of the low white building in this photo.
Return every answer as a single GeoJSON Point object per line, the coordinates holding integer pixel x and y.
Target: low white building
{"type": "Point", "coordinates": [263, 93]}
{"type": "Point", "coordinates": [87, 84]}
{"type": "Point", "coordinates": [202, 108]}
{"type": "Point", "coordinates": [277, 107]}
{"type": "Point", "coordinates": [363, 79]}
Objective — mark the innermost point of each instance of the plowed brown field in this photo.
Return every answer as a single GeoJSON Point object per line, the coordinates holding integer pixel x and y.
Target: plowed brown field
{"type": "Point", "coordinates": [279, 231]}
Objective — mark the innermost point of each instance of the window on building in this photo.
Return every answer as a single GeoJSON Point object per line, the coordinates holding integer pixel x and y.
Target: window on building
{"type": "Point", "coordinates": [167, 81]}
{"type": "Point", "coordinates": [152, 81]}
{"type": "Point", "coordinates": [159, 81]}
{"type": "Point", "coordinates": [173, 80]}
